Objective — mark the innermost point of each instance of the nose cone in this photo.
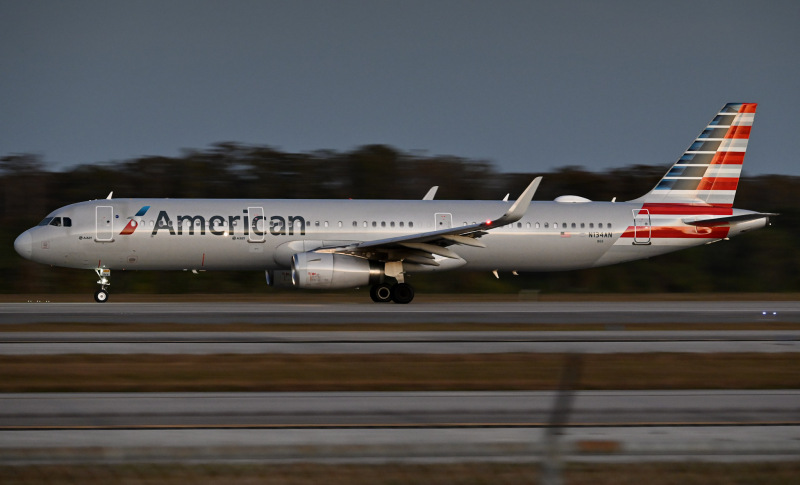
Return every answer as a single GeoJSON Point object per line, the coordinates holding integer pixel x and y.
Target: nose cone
{"type": "Point", "coordinates": [24, 245]}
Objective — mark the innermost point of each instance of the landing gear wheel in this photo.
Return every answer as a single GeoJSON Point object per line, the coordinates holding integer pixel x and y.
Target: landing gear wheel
{"type": "Point", "coordinates": [381, 293]}
{"type": "Point", "coordinates": [101, 296]}
{"type": "Point", "coordinates": [402, 293]}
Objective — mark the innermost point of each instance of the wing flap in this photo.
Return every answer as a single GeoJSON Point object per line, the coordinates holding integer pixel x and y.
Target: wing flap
{"type": "Point", "coordinates": [431, 248]}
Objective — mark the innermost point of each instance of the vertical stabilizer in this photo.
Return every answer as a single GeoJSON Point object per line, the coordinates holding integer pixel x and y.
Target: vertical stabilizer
{"type": "Point", "coordinates": [708, 172]}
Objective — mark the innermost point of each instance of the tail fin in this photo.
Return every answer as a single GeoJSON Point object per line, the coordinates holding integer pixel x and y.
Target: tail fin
{"type": "Point", "coordinates": [708, 172]}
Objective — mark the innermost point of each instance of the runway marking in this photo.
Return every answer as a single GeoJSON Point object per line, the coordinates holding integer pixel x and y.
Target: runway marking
{"type": "Point", "coordinates": [654, 424]}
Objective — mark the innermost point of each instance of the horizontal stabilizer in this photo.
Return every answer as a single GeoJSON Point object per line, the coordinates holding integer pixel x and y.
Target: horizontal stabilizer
{"type": "Point", "coordinates": [722, 221]}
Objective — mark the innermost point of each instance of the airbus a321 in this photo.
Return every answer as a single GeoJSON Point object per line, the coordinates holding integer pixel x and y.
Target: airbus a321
{"type": "Point", "coordinates": [335, 244]}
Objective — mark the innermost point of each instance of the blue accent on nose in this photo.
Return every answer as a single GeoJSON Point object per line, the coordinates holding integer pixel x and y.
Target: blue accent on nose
{"type": "Point", "coordinates": [23, 245]}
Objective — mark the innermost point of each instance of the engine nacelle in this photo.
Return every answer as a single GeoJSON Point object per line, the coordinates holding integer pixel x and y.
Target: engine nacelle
{"type": "Point", "coordinates": [334, 271]}
{"type": "Point", "coordinates": [279, 278]}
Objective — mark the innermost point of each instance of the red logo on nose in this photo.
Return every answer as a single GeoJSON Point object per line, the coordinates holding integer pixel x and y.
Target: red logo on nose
{"type": "Point", "coordinates": [132, 224]}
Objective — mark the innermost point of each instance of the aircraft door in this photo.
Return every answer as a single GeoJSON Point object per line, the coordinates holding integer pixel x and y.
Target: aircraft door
{"type": "Point", "coordinates": [104, 225]}
{"type": "Point", "coordinates": [258, 225]}
{"type": "Point", "coordinates": [443, 221]}
{"type": "Point", "coordinates": [641, 226]}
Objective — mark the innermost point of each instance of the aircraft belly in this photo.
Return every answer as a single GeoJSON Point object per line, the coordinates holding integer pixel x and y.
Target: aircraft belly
{"type": "Point", "coordinates": [624, 250]}
{"type": "Point", "coordinates": [536, 252]}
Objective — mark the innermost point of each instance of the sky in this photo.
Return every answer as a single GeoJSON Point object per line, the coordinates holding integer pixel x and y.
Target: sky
{"type": "Point", "coordinates": [530, 86]}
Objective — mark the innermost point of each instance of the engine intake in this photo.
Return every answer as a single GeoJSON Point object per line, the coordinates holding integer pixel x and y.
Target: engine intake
{"type": "Point", "coordinates": [334, 271]}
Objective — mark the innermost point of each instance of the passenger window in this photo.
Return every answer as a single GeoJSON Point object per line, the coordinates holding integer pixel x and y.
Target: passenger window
{"type": "Point", "coordinates": [401, 223]}
{"type": "Point", "coordinates": [600, 225]}
{"type": "Point", "coordinates": [383, 223]}
{"type": "Point", "coordinates": [410, 224]}
{"type": "Point", "coordinates": [374, 224]}
{"type": "Point", "coordinates": [528, 226]}
{"type": "Point", "coordinates": [591, 225]}
{"type": "Point", "coordinates": [519, 225]}
{"type": "Point", "coordinates": [391, 223]}
{"type": "Point", "coordinates": [583, 225]}
{"type": "Point", "coordinates": [537, 225]}
{"type": "Point", "coordinates": [365, 223]}
{"type": "Point", "coordinates": [608, 225]}
{"type": "Point", "coordinates": [546, 225]}
{"type": "Point", "coordinates": [355, 224]}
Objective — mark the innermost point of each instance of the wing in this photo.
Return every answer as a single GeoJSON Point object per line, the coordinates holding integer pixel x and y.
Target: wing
{"type": "Point", "coordinates": [420, 248]}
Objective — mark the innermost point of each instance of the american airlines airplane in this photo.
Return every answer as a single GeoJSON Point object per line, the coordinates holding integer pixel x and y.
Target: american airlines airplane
{"type": "Point", "coordinates": [334, 244]}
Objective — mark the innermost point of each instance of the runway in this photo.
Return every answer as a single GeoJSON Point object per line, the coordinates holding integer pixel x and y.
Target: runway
{"type": "Point", "coordinates": [460, 312]}
{"type": "Point", "coordinates": [398, 426]}
{"type": "Point", "coordinates": [449, 426]}
{"type": "Point", "coordinates": [371, 342]}
{"type": "Point", "coordinates": [396, 409]}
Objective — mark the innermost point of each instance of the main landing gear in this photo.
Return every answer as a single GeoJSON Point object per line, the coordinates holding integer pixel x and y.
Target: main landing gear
{"type": "Point", "coordinates": [398, 293]}
{"type": "Point", "coordinates": [101, 295]}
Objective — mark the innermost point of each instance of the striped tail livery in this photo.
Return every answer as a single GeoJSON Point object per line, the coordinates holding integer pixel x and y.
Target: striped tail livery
{"type": "Point", "coordinates": [694, 200]}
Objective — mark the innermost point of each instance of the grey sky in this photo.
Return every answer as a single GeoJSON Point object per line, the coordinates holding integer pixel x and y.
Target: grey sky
{"type": "Point", "coordinates": [529, 85]}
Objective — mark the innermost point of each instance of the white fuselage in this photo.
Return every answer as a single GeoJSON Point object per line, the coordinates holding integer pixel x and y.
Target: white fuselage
{"type": "Point", "coordinates": [230, 234]}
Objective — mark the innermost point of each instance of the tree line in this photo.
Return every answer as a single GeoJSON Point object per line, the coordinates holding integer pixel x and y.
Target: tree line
{"type": "Point", "coordinates": [762, 261]}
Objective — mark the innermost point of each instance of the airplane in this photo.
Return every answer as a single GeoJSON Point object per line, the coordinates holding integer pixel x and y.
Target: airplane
{"type": "Point", "coordinates": [337, 244]}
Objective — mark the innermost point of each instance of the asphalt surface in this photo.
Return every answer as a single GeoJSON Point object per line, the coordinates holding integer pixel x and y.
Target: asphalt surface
{"type": "Point", "coordinates": [460, 312]}
{"type": "Point", "coordinates": [364, 427]}
{"type": "Point", "coordinates": [398, 409]}
{"type": "Point", "coordinates": [375, 427]}
{"type": "Point", "coordinates": [372, 342]}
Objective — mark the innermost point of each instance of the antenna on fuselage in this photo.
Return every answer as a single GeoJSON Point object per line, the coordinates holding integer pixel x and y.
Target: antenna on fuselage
{"type": "Point", "coordinates": [110, 194]}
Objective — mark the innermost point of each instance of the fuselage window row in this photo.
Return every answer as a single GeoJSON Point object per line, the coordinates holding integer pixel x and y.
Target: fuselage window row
{"type": "Point", "coordinates": [557, 225]}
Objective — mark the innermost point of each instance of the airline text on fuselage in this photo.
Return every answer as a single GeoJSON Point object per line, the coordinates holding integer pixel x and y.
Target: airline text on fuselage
{"type": "Point", "coordinates": [224, 226]}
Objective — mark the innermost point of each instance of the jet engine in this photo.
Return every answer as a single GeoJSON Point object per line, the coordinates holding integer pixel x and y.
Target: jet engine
{"type": "Point", "coordinates": [334, 271]}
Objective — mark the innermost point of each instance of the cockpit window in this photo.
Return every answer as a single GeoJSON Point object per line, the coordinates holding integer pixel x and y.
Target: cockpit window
{"type": "Point", "coordinates": [56, 221]}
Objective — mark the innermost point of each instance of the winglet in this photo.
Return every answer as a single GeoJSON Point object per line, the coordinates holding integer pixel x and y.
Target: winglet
{"type": "Point", "coordinates": [431, 193]}
{"type": "Point", "coordinates": [520, 206]}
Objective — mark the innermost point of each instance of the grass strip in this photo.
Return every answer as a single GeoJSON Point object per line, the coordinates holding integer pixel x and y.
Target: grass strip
{"type": "Point", "coordinates": [686, 473]}
{"type": "Point", "coordinates": [393, 372]}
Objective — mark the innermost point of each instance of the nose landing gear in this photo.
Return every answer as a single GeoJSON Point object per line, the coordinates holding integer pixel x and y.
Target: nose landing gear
{"type": "Point", "coordinates": [101, 295]}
